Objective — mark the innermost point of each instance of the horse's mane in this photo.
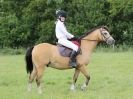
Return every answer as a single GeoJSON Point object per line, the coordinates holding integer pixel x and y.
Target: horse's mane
{"type": "Point", "coordinates": [91, 31]}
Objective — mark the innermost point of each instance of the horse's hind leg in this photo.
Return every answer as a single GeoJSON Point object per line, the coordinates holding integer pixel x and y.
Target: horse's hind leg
{"type": "Point", "coordinates": [83, 69]}
{"type": "Point", "coordinates": [31, 78]}
{"type": "Point", "coordinates": [40, 70]}
{"type": "Point", "coordinates": [75, 77]}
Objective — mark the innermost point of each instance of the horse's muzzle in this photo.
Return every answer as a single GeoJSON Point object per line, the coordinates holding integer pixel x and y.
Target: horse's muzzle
{"type": "Point", "coordinates": [110, 41]}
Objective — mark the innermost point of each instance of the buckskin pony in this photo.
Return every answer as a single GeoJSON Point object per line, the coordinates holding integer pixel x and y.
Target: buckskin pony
{"type": "Point", "coordinates": [45, 55]}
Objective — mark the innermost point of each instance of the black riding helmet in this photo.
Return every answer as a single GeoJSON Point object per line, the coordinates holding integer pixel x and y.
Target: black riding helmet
{"type": "Point", "coordinates": [61, 13]}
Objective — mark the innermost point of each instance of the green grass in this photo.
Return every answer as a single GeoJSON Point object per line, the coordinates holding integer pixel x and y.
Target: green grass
{"type": "Point", "coordinates": [111, 78]}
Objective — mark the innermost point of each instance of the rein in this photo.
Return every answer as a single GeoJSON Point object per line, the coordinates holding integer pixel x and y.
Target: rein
{"type": "Point", "coordinates": [89, 40]}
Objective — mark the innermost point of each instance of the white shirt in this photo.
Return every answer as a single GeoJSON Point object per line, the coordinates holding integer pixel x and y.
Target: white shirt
{"type": "Point", "coordinates": [61, 31]}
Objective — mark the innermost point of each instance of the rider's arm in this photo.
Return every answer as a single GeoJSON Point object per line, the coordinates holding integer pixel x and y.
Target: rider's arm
{"type": "Point", "coordinates": [64, 30]}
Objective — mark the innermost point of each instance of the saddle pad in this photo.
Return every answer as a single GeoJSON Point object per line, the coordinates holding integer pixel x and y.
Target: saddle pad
{"type": "Point", "coordinates": [64, 51]}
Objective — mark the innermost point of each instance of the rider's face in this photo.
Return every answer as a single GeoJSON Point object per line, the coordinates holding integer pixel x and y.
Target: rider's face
{"type": "Point", "coordinates": [62, 19]}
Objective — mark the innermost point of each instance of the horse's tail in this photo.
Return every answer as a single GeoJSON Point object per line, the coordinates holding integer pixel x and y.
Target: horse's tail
{"type": "Point", "coordinates": [28, 59]}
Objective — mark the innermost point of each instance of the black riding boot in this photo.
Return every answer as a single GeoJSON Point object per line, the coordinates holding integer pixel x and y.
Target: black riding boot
{"type": "Point", "coordinates": [72, 61]}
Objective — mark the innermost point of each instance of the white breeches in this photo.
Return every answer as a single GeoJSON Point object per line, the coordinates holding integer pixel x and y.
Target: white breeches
{"type": "Point", "coordinates": [68, 44]}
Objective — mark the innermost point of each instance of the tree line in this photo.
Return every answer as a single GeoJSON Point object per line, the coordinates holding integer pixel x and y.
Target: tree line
{"type": "Point", "coordinates": [28, 22]}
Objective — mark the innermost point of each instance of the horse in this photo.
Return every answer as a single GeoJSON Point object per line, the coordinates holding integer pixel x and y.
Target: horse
{"type": "Point", "coordinates": [44, 55]}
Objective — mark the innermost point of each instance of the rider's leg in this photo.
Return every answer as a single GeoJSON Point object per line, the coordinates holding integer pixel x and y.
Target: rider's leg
{"type": "Point", "coordinates": [73, 55]}
{"type": "Point", "coordinates": [73, 62]}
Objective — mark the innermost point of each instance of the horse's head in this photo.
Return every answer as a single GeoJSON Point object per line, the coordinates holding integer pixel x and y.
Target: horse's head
{"type": "Point", "coordinates": [105, 35]}
{"type": "Point", "coordinates": [98, 34]}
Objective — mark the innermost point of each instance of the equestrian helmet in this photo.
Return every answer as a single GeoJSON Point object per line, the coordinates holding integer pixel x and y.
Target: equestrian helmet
{"type": "Point", "coordinates": [61, 13]}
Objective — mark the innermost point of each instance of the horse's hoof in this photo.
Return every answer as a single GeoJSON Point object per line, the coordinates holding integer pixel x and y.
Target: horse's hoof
{"type": "Point", "coordinates": [40, 92]}
{"type": "Point", "coordinates": [83, 87]}
{"type": "Point", "coordinates": [73, 87]}
{"type": "Point", "coordinates": [29, 88]}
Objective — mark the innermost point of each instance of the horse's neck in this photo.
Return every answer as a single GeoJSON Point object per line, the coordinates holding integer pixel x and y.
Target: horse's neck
{"type": "Point", "coordinates": [88, 46]}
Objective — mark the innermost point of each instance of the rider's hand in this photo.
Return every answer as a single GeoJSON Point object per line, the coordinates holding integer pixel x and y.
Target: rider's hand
{"type": "Point", "coordinates": [74, 38]}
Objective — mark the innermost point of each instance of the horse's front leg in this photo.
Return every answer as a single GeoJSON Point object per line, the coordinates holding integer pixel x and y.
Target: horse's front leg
{"type": "Point", "coordinates": [75, 77]}
{"type": "Point", "coordinates": [83, 69]}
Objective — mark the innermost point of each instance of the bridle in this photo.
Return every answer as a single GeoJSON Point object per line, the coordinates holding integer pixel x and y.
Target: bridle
{"type": "Point", "coordinates": [101, 31]}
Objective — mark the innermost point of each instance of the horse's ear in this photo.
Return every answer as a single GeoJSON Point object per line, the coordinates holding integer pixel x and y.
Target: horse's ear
{"type": "Point", "coordinates": [105, 27]}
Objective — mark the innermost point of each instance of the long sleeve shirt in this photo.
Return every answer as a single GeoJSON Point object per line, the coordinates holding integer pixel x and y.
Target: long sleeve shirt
{"type": "Point", "coordinates": [61, 31]}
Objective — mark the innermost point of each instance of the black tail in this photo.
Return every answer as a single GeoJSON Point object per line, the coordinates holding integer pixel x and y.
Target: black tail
{"type": "Point", "coordinates": [28, 59]}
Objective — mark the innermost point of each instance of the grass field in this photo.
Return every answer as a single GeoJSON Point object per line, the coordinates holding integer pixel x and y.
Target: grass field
{"type": "Point", "coordinates": [111, 78]}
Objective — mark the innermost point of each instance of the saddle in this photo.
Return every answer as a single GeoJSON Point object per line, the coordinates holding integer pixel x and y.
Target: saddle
{"type": "Point", "coordinates": [65, 51]}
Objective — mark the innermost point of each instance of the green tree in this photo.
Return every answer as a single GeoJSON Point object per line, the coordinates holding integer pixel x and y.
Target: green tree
{"type": "Point", "coordinates": [25, 23]}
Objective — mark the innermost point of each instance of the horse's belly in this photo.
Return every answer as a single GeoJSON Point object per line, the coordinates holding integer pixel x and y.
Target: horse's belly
{"type": "Point", "coordinates": [60, 64]}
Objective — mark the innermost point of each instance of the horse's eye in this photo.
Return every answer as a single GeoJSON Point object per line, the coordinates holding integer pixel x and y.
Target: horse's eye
{"type": "Point", "coordinates": [105, 33]}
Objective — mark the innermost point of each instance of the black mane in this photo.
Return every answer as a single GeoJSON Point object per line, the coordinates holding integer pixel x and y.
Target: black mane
{"type": "Point", "coordinates": [89, 32]}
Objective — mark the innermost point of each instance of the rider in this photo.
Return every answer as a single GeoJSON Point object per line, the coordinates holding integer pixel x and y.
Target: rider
{"type": "Point", "coordinates": [63, 35]}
